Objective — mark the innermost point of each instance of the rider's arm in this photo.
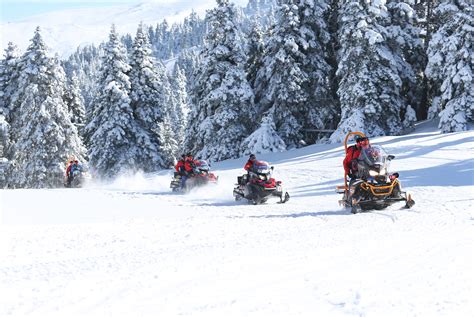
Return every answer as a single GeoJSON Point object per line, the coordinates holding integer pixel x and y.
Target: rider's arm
{"type": "Point", "coordinates": [248, 165]}
{"type": "Point", "coordinates": [347, 160]}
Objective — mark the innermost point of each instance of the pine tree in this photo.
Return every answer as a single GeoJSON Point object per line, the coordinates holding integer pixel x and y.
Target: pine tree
{"type": "Point", "coordinates": [450, 64]}
{"type": "Point", "coordinates": [4, 135]}
{"type": "Point", "coordinates": [75, 103]}
{"type": "Point", "coordinates": [188, 62]}
{"type": "Point", "coordinates": [222, 98]}
{"type": "Point", "coordinates": [322, 108]}
{"type": "Point", "coordinates": [279, 89]}
{"type": "Point", "coordinates": [45, 136]}
{"type": "Point", "coordinates": [114, 133]}
{"type": "Point", "coordinates": [168, 143]}
{"type": "Point", "coordinates": [369, 87]}
{"type": "Point", "coordinates": [9, 73]}
{"type": "Point", "coordinates": [255, 52]}
{"type": "Point", "coordinates": [264, 139]}
{"type": "Point", "coordinates": [85, 64]}
{"type": "Point", "coordinates": [149, 91]}
{"type": "Point", "coordinates": [404, 38]}
{"type": "Point", "coordinates": [4, 141]}
{"type": "Point", "coordinates": [179, 111]}
{"type": "Point", "coordinates": [293, 84]}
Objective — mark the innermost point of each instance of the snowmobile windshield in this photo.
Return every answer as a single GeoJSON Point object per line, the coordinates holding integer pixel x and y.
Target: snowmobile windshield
{"type": "Point", "coordinates": [374, 155]}
{"type": "Point", "coordinates": [262, 168]}
{"type": "Point", "coordinates": [203, 166]}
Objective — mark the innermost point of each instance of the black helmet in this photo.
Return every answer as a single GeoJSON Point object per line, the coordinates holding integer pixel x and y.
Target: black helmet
{"type": "Point", "coordinates": [252, 157]}
{"type": "Point", "coordinates": [359, 138]}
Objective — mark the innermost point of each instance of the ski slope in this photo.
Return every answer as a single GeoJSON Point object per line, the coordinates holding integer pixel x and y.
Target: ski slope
{"type": "Point", "coordinates": [132, 248]}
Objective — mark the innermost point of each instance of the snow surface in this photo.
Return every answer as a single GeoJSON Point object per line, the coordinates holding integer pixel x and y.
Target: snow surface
{"type": "Point", "coordinates": [65, 30]}
{"type": "Point", "coordinates": [133, 248]}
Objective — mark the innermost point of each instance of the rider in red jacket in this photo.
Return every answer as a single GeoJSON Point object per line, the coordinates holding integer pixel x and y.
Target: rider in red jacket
{"type": "Point", "coordinates": [250, 162]}
{"type": "Point", "coordinates": [180, 165]}
{"type": "Point", "coordinates": [353, 152]}
{"type": "Point", "coordinates": [189, 164]}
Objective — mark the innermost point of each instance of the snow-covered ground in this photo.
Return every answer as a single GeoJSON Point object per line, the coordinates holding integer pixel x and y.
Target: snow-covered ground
{"type": "Point", "coordinates": [135, 249]}
{"type": "Point", "coordinates": [65, 30]}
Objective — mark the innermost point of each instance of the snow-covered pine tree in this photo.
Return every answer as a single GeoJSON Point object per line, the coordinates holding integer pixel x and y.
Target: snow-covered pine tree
{"type": "Point", "coordinates": [293, 83]}
{"type": "Point", "coordinates": [168, 143]}
{"type": "Point", "coordinates": [75, 103]}
{"type": "Point", "coordinates": [404, 38]}
{"type": "Point", "coordinates": [114, 133]}
{"type": "Point", "coordinates": [9, 73]}
{"type": "Point", "coordinates": [261, 11]}
{"type": "Point", "coordinates": [149, 93]}
{"type": "Point", "coordinates": [279, 87]}
{"type": "Point", "coordinates": [255, 52]}
{"type": "Point", "coordinates": [188, 61]}
{"type": "Point", "coordinates": [46, 138]}
{"type": "Point", "coordinates": [222, 98]}
{"type": "Point", "coordinates": [85, 63]}
{"type": "Point", "coordinates": [264, 139]}
{"type": "Point", "coordinates": [369, 87]}
{"type": "Point", "coordinates": [178, 102]}
{"type": "Point", "coordinates": [4, 135]}
{"type": "Point", "coordinates": [4, 139]}
{"type": "Point", "coordinates": [450, 63]}
{"type": "Point", "coordinates": [321, 110]}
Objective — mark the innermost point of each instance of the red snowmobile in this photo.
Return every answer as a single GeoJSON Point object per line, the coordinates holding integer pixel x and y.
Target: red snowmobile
{"type": "Point", "coordinates": [201, 176]}
{"type": "Point", "coordinates": [259, 185]}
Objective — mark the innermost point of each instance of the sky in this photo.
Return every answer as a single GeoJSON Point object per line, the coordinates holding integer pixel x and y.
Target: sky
{"type": "Point", "coordinates": [16, 10]}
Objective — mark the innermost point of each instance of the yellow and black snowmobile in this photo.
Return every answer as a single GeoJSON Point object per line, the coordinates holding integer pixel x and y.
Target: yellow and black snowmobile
{"type": "Point", "coordinates": [372, 187]}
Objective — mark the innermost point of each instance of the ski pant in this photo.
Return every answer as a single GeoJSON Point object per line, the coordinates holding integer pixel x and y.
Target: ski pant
{"type": "Point", "coordinates": [183, 180]}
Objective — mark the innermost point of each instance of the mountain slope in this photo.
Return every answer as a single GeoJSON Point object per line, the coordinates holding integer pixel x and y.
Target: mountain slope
{"type": "Point", "coordinates": [65, 30]}
{"type": "Point", "coordinates": [134, 248]}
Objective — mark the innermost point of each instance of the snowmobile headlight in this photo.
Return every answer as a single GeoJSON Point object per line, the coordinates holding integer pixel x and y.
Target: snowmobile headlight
{"type": "Point", "coordinates": [383, 171]}
{"type": "Point", "coordinates": [373, 173]}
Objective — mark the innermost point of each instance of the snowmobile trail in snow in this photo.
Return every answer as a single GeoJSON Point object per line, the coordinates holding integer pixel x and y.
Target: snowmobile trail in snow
{"type": "Point", "coordinates": [133, 248]}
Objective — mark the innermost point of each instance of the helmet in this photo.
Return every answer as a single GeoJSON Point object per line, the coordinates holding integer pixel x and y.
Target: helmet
{"type": "Point", "coordinates": [362, 141]}
{"type": "Point", "coordinates": [252, 157]}
{"type": "Point", "coordinates": [359, 138]}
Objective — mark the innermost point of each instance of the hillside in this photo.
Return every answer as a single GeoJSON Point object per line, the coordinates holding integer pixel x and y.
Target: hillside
{"type": "Point", "coordinates": [133, 248]}
{"type": "Point", "coordinates": [65, 30]}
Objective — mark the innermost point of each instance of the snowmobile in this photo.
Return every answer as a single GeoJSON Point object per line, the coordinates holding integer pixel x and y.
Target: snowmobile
{"type": "Point", "coordinates": [201, 176]}
{"type": "Point", "coordinates": [76, 181]}
{"type": "Point", "coordinates": [258, 185]}
{"type": "Point", "coordinates": [373, 187]}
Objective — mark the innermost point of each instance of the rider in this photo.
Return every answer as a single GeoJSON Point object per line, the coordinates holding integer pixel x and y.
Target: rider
{"type": "Point", "coordinates": [353, 152]}
{"type": "Point", "coordinates": [189, 165]}
{"type": "Point", "coordinates": [75, 167]}
{"type": "Point", "coordinates": [180, 165]}
{"type": "Point", "coordinates": [68, 172]}
{"type": "Point", "coordinates": [72, 167]}
{"type": "Point", "coordinates": [250, 165]}
{"type": "Point", "coordinates": [187, 169]}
